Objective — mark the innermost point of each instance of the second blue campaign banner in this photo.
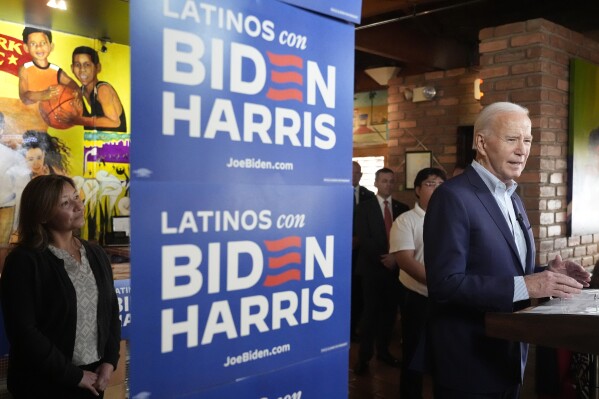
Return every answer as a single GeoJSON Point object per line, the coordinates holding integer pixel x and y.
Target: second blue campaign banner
{"type": "Point", "coordinates": [232, 281]}
{"type": "Point", "coordinates": [270, 82]}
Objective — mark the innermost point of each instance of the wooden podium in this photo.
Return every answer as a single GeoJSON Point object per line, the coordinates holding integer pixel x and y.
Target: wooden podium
{"type": "Point", "coordinates": [559, 323]}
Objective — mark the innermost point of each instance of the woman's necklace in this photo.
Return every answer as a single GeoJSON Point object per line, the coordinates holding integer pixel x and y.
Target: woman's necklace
{"type": "Point", "coordinates": [74, 248]}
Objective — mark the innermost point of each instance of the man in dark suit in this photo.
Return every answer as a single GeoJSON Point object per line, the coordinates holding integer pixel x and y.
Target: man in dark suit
{"type": "Point", "coordinates": [479, 256]}
{"type": "Point", "coordinates": [361, 194]}
{"type": "Point", "coordinates": [378, 270]}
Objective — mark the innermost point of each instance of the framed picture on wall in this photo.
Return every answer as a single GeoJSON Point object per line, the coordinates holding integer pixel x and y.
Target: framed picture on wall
{"type": "Point", "coordinates": [415, 161]}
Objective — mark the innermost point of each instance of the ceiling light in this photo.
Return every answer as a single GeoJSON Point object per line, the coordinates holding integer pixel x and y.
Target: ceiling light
{"type": "Point", "coordinates": [59, 4]}
{"type": "Point", "coordinates": [383, 74]}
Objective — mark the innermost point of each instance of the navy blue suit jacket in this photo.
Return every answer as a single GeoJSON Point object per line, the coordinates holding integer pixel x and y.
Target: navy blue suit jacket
{"type": "Point", "coordinates": [370, 229]}
{"type": "Point", "coordinates": [471, 259]}
{"type": "Point", "coordinates": [364, 194]}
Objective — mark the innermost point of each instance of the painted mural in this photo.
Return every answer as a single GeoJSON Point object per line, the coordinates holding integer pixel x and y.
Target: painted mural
{"type": "Point", "coordinates": [584, 148]}
{"type": "Point", "coordinates": [63, 110]}
{"type": "Point", "coordinates": [370, 118]}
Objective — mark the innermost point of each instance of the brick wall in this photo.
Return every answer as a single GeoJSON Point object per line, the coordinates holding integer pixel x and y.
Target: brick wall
{"type": "Point", "coordinates": [526, 63]}
{"type": "Point", "coordinates": [429, 125]}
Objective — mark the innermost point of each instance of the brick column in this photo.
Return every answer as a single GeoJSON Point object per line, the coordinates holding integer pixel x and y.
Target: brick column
{"type": "Point", "coordinates": [528, 63]}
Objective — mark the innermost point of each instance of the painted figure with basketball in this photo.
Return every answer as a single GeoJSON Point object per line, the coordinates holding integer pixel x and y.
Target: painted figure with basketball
{"type": "Point", "coordinates": [46, 83]}
{"type": "Point", "coordinates": [106, 110]}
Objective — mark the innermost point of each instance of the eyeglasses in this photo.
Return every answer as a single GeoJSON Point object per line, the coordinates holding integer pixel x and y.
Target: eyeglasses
{"type": "Point", "coordinates": [432, 183]}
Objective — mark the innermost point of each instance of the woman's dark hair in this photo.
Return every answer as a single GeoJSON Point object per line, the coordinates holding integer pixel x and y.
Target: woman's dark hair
{"type": "Point", "coordinates": [38, 205]}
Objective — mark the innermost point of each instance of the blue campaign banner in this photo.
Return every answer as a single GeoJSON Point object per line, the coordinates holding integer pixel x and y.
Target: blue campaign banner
{"type": "Point", "coordinates": [348, 10]}
{"type": "Point", "coordinates": [123, 293]}
{"type": "Point", "coordinates": [315, 378]}
{"type": "Point", "coordinates": [233, 281]}
{"type": "Point", "coordinates": [240, 91]}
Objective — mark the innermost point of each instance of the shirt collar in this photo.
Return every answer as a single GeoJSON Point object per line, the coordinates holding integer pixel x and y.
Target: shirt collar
{"type": "Point", "coordinates": [419, 211]}
{"type": "Point", "coordinates": [382, 200]}
{"type": "Point", "coordinates": [491, 181]}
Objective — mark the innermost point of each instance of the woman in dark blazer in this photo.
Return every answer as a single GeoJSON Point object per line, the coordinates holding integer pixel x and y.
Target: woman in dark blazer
{"type": "Point", "coordinates": [60, 308]}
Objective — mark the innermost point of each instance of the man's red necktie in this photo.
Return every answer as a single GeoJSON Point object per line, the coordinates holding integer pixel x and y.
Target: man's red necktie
{"type": "Point", "coordinates": [388, 218]}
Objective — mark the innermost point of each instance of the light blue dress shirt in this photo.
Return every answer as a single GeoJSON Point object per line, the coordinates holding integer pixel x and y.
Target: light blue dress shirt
{"type": "Point", "coordinates": [502, 194]}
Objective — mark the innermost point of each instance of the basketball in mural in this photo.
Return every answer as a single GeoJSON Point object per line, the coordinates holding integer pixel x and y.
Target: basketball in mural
{"type": "Point", "coordinates": [66, 103]}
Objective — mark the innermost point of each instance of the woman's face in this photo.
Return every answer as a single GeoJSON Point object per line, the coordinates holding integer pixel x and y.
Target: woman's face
{"type": "Point", "coordinates": [68, 214]}
{"type": "Point", "coordinates": [35, 161]}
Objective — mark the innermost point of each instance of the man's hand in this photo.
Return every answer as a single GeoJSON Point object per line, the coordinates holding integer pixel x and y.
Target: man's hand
{"type": "Point", "coordinates": [571, 269]}
{"type": "Point", "coordinates": [388, 260]}
{"type": "Point", "coordinates": [547, 283]}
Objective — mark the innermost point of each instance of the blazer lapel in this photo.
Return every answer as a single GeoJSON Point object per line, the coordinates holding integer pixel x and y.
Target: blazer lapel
{"type": "Point", "coordinates": [490, 204]}
{"type": "Point", "coordinates": [375, 208]}
{"type": "Point", "coordinates": [527, 230]}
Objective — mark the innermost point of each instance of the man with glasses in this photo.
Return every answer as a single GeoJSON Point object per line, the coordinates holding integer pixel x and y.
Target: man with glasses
{"type": "Point", "coordinates": [407, 247]}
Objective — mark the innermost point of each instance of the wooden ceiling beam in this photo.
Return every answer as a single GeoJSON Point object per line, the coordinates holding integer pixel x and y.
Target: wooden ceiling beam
{"type": "Point", "coordinates": [409, 47]}
{"type": "Point", "coordinates": [373, 8]}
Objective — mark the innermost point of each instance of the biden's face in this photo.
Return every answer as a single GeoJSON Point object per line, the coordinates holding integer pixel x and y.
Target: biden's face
{"type": "Point", "coordinates": [505, 148]}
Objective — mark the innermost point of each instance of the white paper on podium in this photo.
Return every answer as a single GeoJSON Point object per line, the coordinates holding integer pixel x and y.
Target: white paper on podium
{"type": "Point", "coordinates": [585, 303]}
